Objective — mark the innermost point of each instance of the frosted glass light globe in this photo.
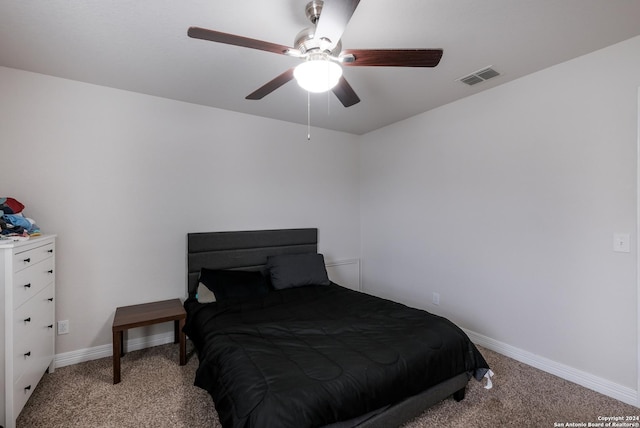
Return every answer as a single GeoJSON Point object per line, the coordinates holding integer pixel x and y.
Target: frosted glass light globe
{"type": "Point", "coordinates": [317, 75]}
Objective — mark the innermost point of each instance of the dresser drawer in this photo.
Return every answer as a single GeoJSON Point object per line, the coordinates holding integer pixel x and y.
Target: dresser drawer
{"type": "Point", "coordinates": [36, 359]}
{"type": "Point", "coordinates": [33, 368]}
{"type": "Point", "coordinates": [29, 281]}
{"type": "Point", "coordinates": [33, 332]}
{"type": "Point", "coordinates": [24, 259]}
{"type": "Point", "coordinates": [23, 388]}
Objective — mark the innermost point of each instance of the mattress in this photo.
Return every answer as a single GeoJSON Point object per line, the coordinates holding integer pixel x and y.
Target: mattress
{"type": "Point", "coordinates": [316, 355]}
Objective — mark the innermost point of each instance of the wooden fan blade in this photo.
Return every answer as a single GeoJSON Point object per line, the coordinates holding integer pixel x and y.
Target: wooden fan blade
{"type": "Point", "coordinates": [334, 17]}
{"type": "Point", "coordinates": [271, 86]}
{"type": "Point", "coordinates": [394, 57]}
{"type": "Point", "coordinates": [345, 93]}
{"type": "Point", "coordinates": [232, 39]}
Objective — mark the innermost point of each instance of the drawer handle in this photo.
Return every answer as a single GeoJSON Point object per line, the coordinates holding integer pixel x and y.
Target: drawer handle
{"type": "Point", "coordinates": [27, 260]}
{"type": "Point", "coordinates": [28, 354]}
{"type": "Point", "coordinates": [50, 271]}
{"type": "Point", "coordinates": [27, 285]}
{"type": "Point", "coordinates": [50, 326]}
{"type": "Point", "coordinates": [27, 319]}
{"type": "Point", "coordinates": [50, 299]}
{"type": "Point", "coordinates": [27, 388]}
{"type": "Point", "coordinates": [50, 251]}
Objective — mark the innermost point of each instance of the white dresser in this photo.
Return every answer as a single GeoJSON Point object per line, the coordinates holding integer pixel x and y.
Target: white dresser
{"type": "Point", "coordinates": [27, 269]}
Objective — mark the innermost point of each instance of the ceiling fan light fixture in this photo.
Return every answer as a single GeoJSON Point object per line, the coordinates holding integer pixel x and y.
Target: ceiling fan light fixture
{"type": "Point", "coordinates": [320, 48]}
{"type": "Point", "coordinates": [317, 74]}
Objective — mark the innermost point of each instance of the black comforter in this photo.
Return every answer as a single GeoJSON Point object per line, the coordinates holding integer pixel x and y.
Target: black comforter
{"type": "Point", "coordinates": [314, 355]}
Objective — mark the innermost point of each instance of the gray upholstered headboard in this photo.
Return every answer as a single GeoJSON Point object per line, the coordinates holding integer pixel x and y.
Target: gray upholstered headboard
{"type": "Point", "coordinates": [247, 250]}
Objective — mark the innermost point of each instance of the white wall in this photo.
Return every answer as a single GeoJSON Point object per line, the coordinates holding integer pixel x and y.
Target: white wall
{"type": "Point", "coordinates": [122, 177]}
{"type": "Point", "coordinates": [506, 203]}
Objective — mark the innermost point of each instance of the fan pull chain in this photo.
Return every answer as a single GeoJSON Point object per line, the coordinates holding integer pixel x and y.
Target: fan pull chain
{"type": "Point", "coordinates": [308, 116]}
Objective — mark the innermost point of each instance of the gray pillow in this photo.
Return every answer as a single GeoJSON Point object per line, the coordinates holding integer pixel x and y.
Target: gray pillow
{"type": "Point", "coordinates": [234, 284]}
{"type": "Point", "coordinates": [296, 270]}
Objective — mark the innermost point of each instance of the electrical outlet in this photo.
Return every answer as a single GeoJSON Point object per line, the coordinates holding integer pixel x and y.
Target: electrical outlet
{"type": "Point", "coordinates": [63, 327]}
{"type": "Point", "coordinates": [436, 298]}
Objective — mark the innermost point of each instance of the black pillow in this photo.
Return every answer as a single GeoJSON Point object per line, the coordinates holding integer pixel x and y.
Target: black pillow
{"type": "Point", "coordinates": [295, 270]}
{"type": "Point", "coordinates": [234, 284]}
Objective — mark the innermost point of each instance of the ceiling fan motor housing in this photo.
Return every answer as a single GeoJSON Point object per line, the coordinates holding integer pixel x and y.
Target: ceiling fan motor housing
{"type": "Point", "coordinates": [306, 43]}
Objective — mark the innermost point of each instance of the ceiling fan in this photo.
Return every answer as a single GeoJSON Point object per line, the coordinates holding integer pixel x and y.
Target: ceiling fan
{"type": "Point", "coordinates": [321, 49]}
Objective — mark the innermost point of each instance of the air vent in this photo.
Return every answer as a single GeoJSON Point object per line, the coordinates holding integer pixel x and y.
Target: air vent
{"type": "Point", "coordinates": [479, 76]}
{"type": "Point", "coordinates": [471, 79]}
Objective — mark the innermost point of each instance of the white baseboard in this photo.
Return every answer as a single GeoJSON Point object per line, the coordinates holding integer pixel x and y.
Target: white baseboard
{"type": "Point", "coordinates": [606, 387]}
{"type": "Point", "coordinates": [603, 386]}
{"type": "Point", "coordinates": [103, 351]}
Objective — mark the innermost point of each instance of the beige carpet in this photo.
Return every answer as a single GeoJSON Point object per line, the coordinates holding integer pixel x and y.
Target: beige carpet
{"type": "Point", "coordinates": [156, 392]}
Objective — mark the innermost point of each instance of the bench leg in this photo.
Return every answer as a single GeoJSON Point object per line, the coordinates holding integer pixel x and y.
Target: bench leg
{"type": "Point", "coordinates": [117, 350]}
{"type": "Point", "coordinates": [183, 341]}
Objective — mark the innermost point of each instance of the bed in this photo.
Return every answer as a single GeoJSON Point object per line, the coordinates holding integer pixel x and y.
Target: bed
{"type": "Point", "coordinates": [306, 352]}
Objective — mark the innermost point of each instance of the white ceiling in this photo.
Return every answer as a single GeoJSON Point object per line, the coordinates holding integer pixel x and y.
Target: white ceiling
{"type": "Point", "coordinates": [142, 46]}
